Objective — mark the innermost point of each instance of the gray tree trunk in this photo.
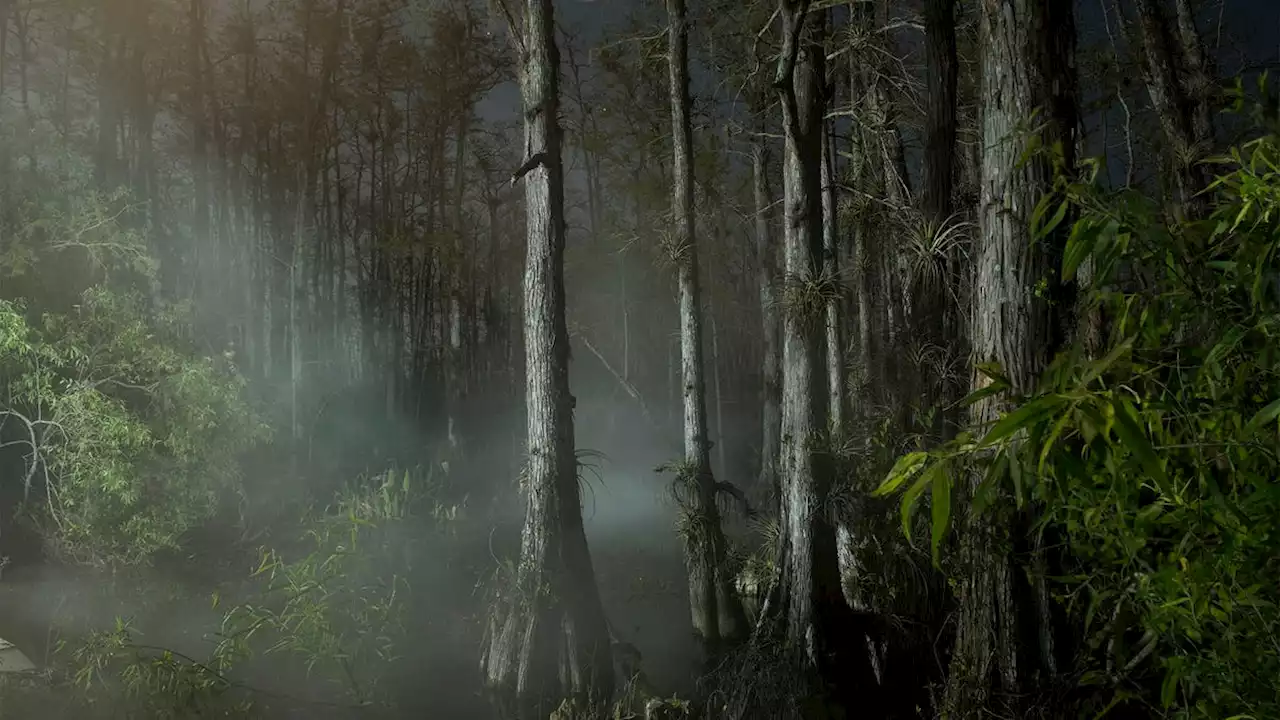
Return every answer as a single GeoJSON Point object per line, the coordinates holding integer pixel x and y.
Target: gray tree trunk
{"type": "Point", "coordinates": [767, 260]}
{"type": "Point", "coordinates": [1026, 65]}
{"type": "Point", "coordinates": [1178, 86]}
{"type": "Point", "coordinates": [710, 583]}
{"type": "Point", "coordinates": [836, 395]}
{"type": "Point", "coordinates": [940, 134]}
{"type": "Point", "coordinates": [936, 315]}
{"type": "Point", "coordinates": [805, 606]}
{"type": "Point", "coordinates": [548, 639]}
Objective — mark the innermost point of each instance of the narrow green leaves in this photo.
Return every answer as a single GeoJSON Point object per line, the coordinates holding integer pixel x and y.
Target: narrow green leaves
{"type": "Point", "coordinates": [1266, 415]}
{"type": "Point", "coordinates": [941, 495]}
{"type": "Point", "coordinates": [1134, 438]}
{"type": "Point", "coordinates": [1023, 418]}
{"type": "Point", "coordinates": [903, 470]}
{"type": "Point", "coordinates": [1040, 227]}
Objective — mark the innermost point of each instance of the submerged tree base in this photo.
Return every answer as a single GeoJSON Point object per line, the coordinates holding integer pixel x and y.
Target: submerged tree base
{"type": "Point", "coordinates": [776, 678]}
{"type": "Point", "coordinates": [538, 658]}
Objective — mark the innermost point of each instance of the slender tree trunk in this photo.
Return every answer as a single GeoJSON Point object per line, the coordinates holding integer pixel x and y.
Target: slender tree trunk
{"type": "Point", "coordinates": [1197, 75]}
{"type": "Point", "coordinates": [705, 547]}
{"type": "Point", "coordinates": [767, 261]}
{"type": "Point", "coordinates": [940, 132]}
{"type": "Point", "coordinates": [934, 308]}
{"type": "Point", "coordinates": [548, 638]}
{"type": "Point", "coordinates": [200, 225]}
{"type": "Point", "coordinates": [717, 365]}
{"type": "Point", "coordinates": [836, 394]}
{"type": "Point", "coordinates": [6, 7]}
{"type": "Point", "coordinates": [863, 311]}
{"type": "Point", "coordinates": [107, 91]}
{"type": "Point", "coordinates": [805, 605]}
{"type": "Point", "coordinates": [1175, 77]}
{"type": "Point", "coordinates": [1026, 65]}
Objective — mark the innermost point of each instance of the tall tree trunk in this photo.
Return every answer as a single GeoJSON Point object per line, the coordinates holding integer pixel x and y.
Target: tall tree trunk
{"type": "Point", "coordinates": [717, 365]}
{"type": "Point", "coordinates": [940, 131]}
{"type": "Point", "coordinates": [833, 295]}
{"type": "Point", "coordinates": [1027, 65]}
{"type": "Point", "coordinates": [200, 224]}
{"type": "Point", "coordinates": [548, 637]}
{"type": "Point", "coordinates": [1175, 76]}
{"type": "Point", "coordinates": [767, 262]}
{"type": "Point", "coordinates": [6, 7]}
{"type": "Point", "coordinates": [107, 90]}
{"type": "Point", "coordinates": [805, 605]}
{"type": "Point", "coordinates": [1197, 83]}
{"type": "Point", "coordinates": [935, 315]}
{"type": "Point", "coordinates": [862, 310]}
{"type": "Point", "coordinates": [704, 539]}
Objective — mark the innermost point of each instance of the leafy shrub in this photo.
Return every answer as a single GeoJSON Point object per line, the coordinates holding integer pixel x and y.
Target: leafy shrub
{"type": "Point", "coordinates": [133, 437]}
{"type": "Point", "coordinates": [335, 606]}
{"type": "Point", "coordinates": [1157, 458]}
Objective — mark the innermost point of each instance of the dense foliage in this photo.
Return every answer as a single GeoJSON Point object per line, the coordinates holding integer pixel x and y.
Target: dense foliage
{"type": "Point", "coordinates": [330, 600]}
{"type": "Point", "coordinates": [132, 436]}
{"type": "Point", "coordinates": [1153, 459]}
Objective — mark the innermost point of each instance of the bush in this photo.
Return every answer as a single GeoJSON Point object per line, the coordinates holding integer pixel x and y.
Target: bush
{"type": "Point", "coordinates": [332, 607]}
{"type": "Point", "coordinates": [132, 439]}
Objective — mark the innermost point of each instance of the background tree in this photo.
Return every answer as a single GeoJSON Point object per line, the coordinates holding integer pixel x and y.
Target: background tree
{"type": "Point", "coordinates": [717, 612]}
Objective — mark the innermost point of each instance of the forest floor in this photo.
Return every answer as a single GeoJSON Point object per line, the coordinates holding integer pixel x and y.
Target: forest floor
{"type": "Point", "coordinates": [639, 569]}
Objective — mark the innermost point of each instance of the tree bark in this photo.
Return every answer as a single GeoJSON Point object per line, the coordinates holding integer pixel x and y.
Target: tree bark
{"type": "Point", "coordinates": [935, 315]}
{"type": "Point", "coordinates": [767, 261]}
{"type": "Point", "coordinates": [805, 605]}
{"type": "Point", "coordinates": [548, 637]}
{"type": "Point", "coordinates": [836, 396]}
{"type": "Point", "coordinates": [1175, 76]}
{"type": "Point", "coordinates": [1027, 64]}
{"type": "Point", "coordinates": [940, 129]}
{"type": "Point", "coordinates": [710, 583]}
{"type": "Point", "coordinates": [200, 224]}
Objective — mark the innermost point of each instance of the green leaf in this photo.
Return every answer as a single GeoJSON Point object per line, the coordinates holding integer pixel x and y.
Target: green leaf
{"type": "Point", "coordinates": [995, 387]}
{"type": "Point", "coordinates": [1169, 688]}
{"type": "Point", "coordinates": [1079, 247]}
{"type": "Point", "coordinates": [1044, 230]}
{"type": "Point", "coordinates": [1015, 476]}
{"type": "Point", "coordinates": [983, 496]}
{"type": "Point", "coordinates": [1049, 441]}
{"type": "Point", "coordinates": [1228, 343]}
{"type": "Point", "coordinates": [1264, 416]}
{"type": "Point", "coordinates": [1022, 418]}
{"type": "Point", "coordinates": [941, 495]}
{"type": "Point", "coordinates": [903, 470]}
{"type": "Point", "coordinates": [912, 495]}
{"type": "Point", "coordinates": [993, 371]}
{"type": "Point", "coordinates": [1135, 440]}
{"type": "Point", "coordinates": [1100, 366]}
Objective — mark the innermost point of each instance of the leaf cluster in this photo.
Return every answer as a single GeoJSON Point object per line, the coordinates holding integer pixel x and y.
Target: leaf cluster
{"type": "Point", "coordinates": [135, 437]}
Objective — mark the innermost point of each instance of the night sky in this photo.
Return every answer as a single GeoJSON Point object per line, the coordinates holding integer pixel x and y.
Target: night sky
{"type": "Point", "coordinates": [1249, 40]}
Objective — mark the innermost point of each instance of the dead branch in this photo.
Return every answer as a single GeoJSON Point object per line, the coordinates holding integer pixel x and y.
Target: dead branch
{"type": "Point", "coordinates": [623, 381]}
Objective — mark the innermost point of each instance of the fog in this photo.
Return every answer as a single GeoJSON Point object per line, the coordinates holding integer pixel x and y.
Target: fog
{"type": "Point", "coordinates": [629, 516]}
{"type": "Point", "coordinates": [379, 337]}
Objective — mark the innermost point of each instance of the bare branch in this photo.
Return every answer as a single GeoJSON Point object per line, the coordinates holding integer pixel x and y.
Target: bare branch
{"type": "Point", "coordinates": [623, 381]}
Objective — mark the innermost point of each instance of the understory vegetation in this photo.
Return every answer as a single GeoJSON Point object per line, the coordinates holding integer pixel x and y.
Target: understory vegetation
{"type": "Point", "coordinates": [963, 406]}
